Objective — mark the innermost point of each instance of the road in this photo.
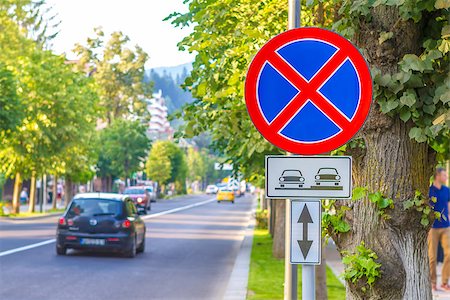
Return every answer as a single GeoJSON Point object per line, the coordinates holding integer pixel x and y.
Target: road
{"type": "Point", "coordinates": [190, 255]}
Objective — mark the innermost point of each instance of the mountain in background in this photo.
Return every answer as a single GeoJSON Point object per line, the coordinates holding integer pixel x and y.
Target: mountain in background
{"type": "Point", "coordinates": [169, 80]}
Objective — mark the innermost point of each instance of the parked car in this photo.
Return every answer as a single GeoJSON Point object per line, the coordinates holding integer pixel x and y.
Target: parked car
{"type": "Point", "coordinates": [327, 176]}
{"type": "Point", "coordinates": [211, 189]}
{"type": "Point", "coordinates": [225, 194]}
{"type": "Point", "coordinates": [140, 197]}
{"type": "Point", "coordinates": [292, 178]}
{"type": "Point", "coordinates": [151, 193]}
{"type": "Point", "coordinates": [101, 221]}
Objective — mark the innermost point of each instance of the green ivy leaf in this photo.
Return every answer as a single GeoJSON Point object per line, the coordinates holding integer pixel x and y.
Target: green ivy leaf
{"type": "Point", "coordinates": [412, 62]}
{"type": "Point", "coordinates": [384, 36]}
{"type": "Point", "coordinates": [405, 114]}
{"type": "Point", "coordinates": [424, 221]}
{"type": "Point", "coordinates": [408, 98]}
{"type": "Point", "coordinates": [442, 4]}
{"type": "Point", "coordinates": [359, 193]}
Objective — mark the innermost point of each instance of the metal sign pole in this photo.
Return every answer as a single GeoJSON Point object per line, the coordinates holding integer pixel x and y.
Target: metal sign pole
{"type": "Point", "coordinates": [290, 270]}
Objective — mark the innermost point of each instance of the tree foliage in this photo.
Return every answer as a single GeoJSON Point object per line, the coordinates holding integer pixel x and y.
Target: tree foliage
{"type": "Point", "coordinates": [166, 155]}
{"type": "Point", "coordinates": [118, 71]}
{"type": "Point", "coordinates": [123, 148]}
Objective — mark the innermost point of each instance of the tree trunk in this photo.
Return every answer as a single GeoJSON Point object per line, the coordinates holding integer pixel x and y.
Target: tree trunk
{"type": "Point", "coordinates": [394, 165]}
{"type": "Point", "coordinates": [68, 191]}
{"type": "Point", "coordinates": [54, 191]}
{"type": "Point", "coordinates": [278, 228]}
{"type": "Point", "coordinates": [321, 277]}
{"type": "Point", "coordinates": [32, 205]}
{"type": "Point", "coordinates": [16, 194]}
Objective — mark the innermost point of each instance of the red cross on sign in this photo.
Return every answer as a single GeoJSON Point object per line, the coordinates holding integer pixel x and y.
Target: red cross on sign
{"type": "Point", "coordinates": [308, 91]}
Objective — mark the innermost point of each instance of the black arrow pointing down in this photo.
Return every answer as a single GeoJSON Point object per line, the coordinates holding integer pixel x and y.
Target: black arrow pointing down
{"type": "Point", "coordinates": [304, 243]}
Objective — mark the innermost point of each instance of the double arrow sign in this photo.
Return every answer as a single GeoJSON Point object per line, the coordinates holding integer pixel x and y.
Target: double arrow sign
{"type": "Point", "coordinates": [306, 240]}
{"type": "Point", "coordinates": [304, 243]}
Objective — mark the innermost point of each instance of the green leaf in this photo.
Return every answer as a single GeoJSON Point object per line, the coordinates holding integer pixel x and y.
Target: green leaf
{"type": "Point", "coordinates": [408, 98]}
{"type": "Point", "coordinates": [359, 193]}
{"type": "Point", "coordinates": [384, 36]}
{"type": "Point", "coordinates": [412, 62]}
{"type": "Point", "coordinates": [408, 204]}
{"type": "Point", "coordinates": [424, 221]}
{"type": "Point", "coordinates": [442, 4]}
{"type": "Point", "coordinates": [405, 114]}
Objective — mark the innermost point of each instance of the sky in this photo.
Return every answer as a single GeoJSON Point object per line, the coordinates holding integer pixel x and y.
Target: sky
{"type": "Point", "coordinates": [141, 20]}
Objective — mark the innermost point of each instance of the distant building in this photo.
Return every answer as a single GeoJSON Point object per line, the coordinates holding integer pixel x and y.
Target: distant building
{"type": "Point", "coordinates": [159, 127]}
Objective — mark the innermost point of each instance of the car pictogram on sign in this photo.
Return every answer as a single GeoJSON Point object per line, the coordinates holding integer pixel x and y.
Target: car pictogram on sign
{"type": "Point", "coordinates": [291, 179]}
{"type": "Point", "coordinates": [308, 91]}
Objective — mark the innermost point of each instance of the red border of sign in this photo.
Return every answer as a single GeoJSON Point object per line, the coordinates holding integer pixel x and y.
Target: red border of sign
{"type": "Point", "coordinates": [251, 91]}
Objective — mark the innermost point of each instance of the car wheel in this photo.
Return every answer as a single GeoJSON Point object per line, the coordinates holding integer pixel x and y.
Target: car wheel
{"type": "Point", "coordinates": [218, 201]}
{"type": "Point", "coordinates": [232, 201]}
{"type": "Point", "coordinates": [141, 247]}
{"type": "Point", "coordinates": [130, 253]}
{"type": "Point", "coordinates": [61, 250]}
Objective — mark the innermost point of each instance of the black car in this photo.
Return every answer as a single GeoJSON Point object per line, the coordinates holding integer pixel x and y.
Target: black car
{"type": "Point", "coordinates": [101, 221]}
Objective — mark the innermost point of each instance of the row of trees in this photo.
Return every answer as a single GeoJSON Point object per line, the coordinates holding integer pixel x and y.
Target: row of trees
{"type": "Point", "coordinates": [407, 45]}
{"type": "Point", "coordinates": [52, 108]}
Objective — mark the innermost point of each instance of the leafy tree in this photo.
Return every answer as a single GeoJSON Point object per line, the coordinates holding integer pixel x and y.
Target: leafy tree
{"type": "Point", "coordinates": [123, 148]}
{"type": "Point", "coordinates": [158, 165]}
{"type": "Point", "coordinates": [11, 110]}
{"type": "Point", "coordinates": [196, 165]}
{"type": "Point", "coordinates": [118, 72]}
{"type": "Point", "coordinates": [168, 151]}
{"type": "Point", "coordinates": [406, 44]}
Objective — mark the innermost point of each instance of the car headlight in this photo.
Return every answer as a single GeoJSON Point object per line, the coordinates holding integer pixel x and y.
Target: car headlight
{"type": "Point", "coordinates": [337, 177]}
{"type": "Point", "coordinates": [139, 200]}
{"type": "Point", "coordinates": [317, 177]}
{"type": "Point", "coordinates": [302, 179]}
{"type": "Point", "coordinates": [281, 178]}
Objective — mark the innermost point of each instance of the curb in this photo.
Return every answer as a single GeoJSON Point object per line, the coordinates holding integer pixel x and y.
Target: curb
{"type": "Point", "coordinates": [237, 285]}
{"type": "Point", "coordinates": [44, 215]}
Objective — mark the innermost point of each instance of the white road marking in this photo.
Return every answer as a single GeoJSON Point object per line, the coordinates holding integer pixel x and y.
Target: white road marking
{"type": "Point", "coordinates": [8, 252]}
{"type": "Point", "coordinates": [162, 213]}
{"type": "Point", "coordinates": [171, 211]}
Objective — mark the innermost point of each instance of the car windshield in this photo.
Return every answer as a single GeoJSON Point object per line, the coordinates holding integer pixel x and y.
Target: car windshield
{"type": "Point", "coordinates": [149, 189]}
{"type": "Point", "coordinates": [134, 192]}
{"type": "Point", "coordinates": [329, 171]}
{"type": "Point", "coordinates": [292, 173]}
{"type": "Point", "coordinates": [226, 190]}
{"type": "Point", "coordinates": [94, 207]}
{"type": "Point", "coordinates": [210, 187]}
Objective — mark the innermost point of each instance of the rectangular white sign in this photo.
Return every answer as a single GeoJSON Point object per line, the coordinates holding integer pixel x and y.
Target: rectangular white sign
{"type": "Point", "coordinates": [306, 236]}
{"type": "Point", "coordinates": [324, 177]}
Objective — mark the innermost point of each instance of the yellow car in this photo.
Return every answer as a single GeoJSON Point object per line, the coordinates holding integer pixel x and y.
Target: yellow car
{"type": "Point", "coordinates": [225, 195]}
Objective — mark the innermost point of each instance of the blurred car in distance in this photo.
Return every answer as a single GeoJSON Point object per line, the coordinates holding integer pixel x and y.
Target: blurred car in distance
{"type": "Point", "coordinates": [211, 189]}
{"type": "Point", "coordinates": [140, 197]}
{"type": "Point", "coordinates": [225, 194]}
{"type": "Point", "coordinates": [151, 193]}
{"type": "Point", "coordinates": [101, 221]}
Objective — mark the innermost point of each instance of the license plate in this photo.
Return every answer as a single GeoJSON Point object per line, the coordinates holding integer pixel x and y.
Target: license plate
{"type": "Point", "coordinates": [94, 242]}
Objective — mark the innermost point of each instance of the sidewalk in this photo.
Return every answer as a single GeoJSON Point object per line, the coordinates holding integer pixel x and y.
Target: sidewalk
{"type": "Point", "coordinates": [24, 207]}
{"type": "Point", "coordinates": [334, 262]}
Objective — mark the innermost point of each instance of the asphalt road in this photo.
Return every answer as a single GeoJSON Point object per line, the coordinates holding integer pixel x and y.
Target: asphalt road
{"type": "Point", "coordinates": [189, 255]}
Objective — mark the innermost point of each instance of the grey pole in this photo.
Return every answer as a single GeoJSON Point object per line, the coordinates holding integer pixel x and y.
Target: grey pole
{"type": "Point", "coordinates": [290, 270]}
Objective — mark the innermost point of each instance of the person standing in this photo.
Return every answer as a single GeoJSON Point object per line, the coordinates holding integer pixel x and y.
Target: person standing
{"type": "Point", "coordinates": [440, 231]}
{"type": "Point", "coordinates": [24, 196]}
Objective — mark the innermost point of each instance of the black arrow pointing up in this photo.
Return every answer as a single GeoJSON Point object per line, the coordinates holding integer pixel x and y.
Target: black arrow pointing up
{"type": "Point", "coordinates": [304, 243]}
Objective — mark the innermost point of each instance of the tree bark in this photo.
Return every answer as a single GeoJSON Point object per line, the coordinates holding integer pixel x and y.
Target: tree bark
{"type": "Point", "coordinates": [54, 191]}
{"type": "Point", "coordinates": [32, 204]}
{"type": "Point", "coordinates": [394, 165]}
{"type": "Point", "coordinates": [68, 191]}
{"type": "Point", "coordinates": [278, 228]}
{"type": "Point", "coordinates": [16, 194]}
